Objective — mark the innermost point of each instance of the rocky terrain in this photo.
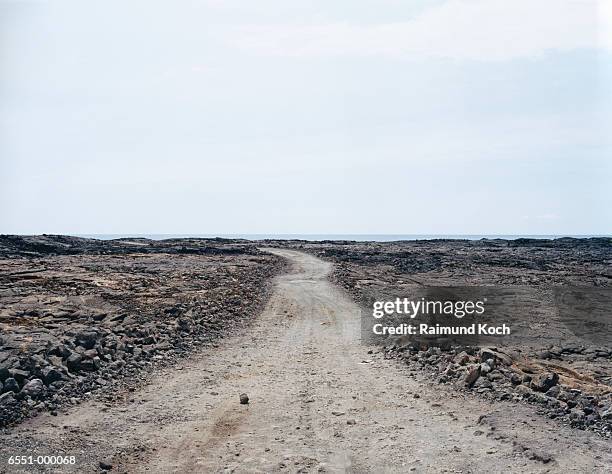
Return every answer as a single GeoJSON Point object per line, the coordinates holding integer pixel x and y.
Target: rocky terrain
{"type": "Point", "coordinates": [297, 391]}
{"type": "Point", "coordinates": [559, 361]}
{"type": "Point", "coordinates": [85, 318]}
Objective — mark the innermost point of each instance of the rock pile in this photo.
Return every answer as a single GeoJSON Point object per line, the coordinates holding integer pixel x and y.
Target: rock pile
{"type": "Point", "coordinates": [502, 376]}
{"type": "Point", "coordinates": [80, 317]}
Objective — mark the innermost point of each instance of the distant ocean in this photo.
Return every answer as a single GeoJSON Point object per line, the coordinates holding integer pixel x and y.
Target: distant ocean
{"type": "Point", "coordinates": [355, 237]}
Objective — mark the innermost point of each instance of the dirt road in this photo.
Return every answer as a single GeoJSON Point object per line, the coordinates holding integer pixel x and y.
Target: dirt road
{"type": "Point", "coordinates": [318, 403]}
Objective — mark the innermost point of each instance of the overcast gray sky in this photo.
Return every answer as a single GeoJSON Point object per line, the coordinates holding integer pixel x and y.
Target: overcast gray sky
{"type": "Point", "coordinates": [306, 116]}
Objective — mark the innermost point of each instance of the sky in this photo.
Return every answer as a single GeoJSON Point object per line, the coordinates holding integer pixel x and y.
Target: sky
{"type": "Point", "coordinates": [308, 116]}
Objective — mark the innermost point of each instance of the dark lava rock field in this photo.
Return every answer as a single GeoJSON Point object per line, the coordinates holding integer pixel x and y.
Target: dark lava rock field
{"type": "Point", "coordinates": [86, 317]}
{"type": "Point", "coordinates": [557, 358]}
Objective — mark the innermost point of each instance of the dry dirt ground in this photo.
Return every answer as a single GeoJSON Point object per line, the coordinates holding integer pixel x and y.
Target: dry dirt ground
{"type": "Point", "coordinates": [319, 402]}
{"type": "Point", "coordinates": [82, 317]}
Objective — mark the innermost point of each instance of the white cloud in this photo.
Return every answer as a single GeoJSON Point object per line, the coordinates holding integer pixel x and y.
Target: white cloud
{"type": "Point", "coordinates": [457, 29]}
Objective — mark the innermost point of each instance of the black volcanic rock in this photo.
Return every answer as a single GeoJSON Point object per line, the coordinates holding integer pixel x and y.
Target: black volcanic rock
{"type": "Point", "coordinates": [83, 316]}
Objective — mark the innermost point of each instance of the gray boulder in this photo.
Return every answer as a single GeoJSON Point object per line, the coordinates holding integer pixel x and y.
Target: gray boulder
{"type": "Point", "coordinates": [74, 362]}
{"type": "Point", "coordinates": [51, 374]}
{"type": "Point", "coordinates": [544, 382]}
{"type": "Point", "coordinates": [462, 358]}
{"type": "Point", "coordinates": [86, 339]}
{"type": "Point", "coordinates": [33, 388]}
{"type": "Point", "coordinates": [472, 375]}
{"type": "Point", "coordinates": [11, 385]}
{"type": "Point", "coordinates": [4, 373]}
{"type": "Point", "coordinates": [19, 375]}
{"type": "Point", "coordinates": [7, 398]}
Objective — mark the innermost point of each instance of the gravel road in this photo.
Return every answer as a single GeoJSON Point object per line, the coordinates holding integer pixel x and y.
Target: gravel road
{"type": "Point", "coordinates": [318, 402]}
